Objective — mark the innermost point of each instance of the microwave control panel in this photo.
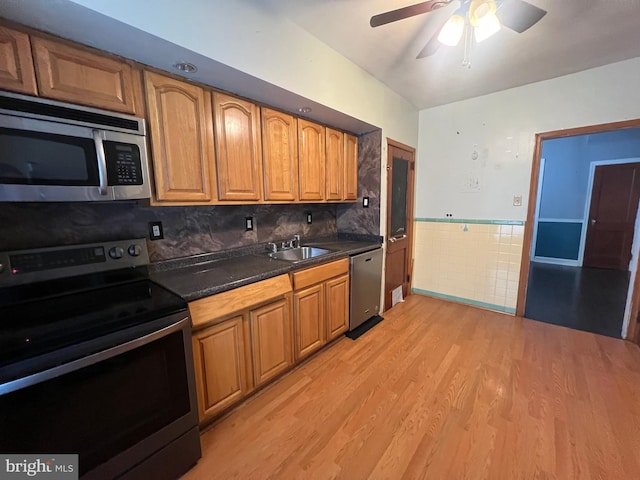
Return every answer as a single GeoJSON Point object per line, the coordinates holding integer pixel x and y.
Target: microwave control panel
{"type": "Point", "coordinates": [123, 163]}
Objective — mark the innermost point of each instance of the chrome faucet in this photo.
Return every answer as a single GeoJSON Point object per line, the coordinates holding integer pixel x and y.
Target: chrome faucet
{"type": "Point", "coordinates": [295, 242]}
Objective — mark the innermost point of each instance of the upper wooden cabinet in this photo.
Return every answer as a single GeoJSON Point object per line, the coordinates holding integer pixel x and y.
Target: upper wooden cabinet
{"type": "Point", "coordinates": [16, 63]}
{"type": "Point", "coordinates": [334, 164]}
{"type": "Point", "coordinates": [239, 153]}
{"type": "Point", "coordinates": [180, 120]}
{"type": "Point", "coordinates": [350, 191]}
{"type": "Point", "coordinates": [311, 141]}
{"type": "Point", "coordinates": [279, 156]}
{"type": "Point", "coordinates": [76, 75]}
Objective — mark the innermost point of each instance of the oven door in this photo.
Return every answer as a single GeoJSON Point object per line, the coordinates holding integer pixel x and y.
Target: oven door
{"type": "Point", "coordinates": [119, 409]}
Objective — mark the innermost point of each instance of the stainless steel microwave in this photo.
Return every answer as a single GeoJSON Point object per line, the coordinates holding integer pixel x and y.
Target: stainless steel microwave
{"type": "Point", "coordinates": [58, 152]}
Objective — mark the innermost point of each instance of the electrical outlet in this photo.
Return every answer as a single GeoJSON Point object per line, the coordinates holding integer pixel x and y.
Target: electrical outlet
{"type": "Point", "coordinates": [155, 231]}
{"type": "Point", "coordinates": [248, 223]}
{"type": "Point", "coordinates": [365, 202]}
{"type": "Point", "coordinates": [517, 200]}
{"type": "Point", "coordinates": [309, 218]}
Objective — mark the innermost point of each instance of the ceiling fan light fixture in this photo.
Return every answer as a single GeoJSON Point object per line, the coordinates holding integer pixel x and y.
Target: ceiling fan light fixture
{"type": "Point", "coordinates": [488, 26]}
{"type": "Point", "coordinates": [481, 9]}
{"type": "Point", "coordinates": [451, 32]}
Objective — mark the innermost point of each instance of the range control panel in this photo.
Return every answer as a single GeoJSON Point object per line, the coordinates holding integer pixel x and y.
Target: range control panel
{"type": "Point", "coordinates": [29, 266]}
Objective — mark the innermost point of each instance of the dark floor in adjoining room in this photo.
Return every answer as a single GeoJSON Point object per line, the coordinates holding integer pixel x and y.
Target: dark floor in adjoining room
{"type": "Point", "coordinates": [590, 299]}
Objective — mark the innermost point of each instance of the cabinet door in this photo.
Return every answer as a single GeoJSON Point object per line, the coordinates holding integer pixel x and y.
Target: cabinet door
{"type": "Point", "coordinates": [337, 293]}
{"type": "Point", "coordinates": [221, 373]}
{"type": "Point", "coordinates": [75, 75]}
{"type": "Point", "coordinates": [271, 342]}
{"type": "Point", "coordinates": [180, 121]}
{"type": "Point", "coordinates": [309, 314]}
{"type": "Point", "coordinates": [350, 191]}
{"type": "Point", "coordinates": [280, 156]}
{"type": "Point", "coordinates": [334, 164]}
{"type": "Point", "coordinates": [16, 63]}
{"type": "Point", "coordinates": [311, 160]}
{"type": "Point", "coordinates": [239, 154]}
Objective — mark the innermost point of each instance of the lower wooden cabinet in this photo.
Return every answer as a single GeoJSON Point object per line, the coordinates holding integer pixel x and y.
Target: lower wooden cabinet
{"type": "Point", "coordinates": [221, 370]}
{"type": "Point", "coordinates": [337, 306]}
{"type": "Point", "coordinates": [271, 341]}
{"type": "Point", "coordinates": [242, 339]}
{"type": "Point", "coordinates": [321, 305]}
{"type": "Point", "coordinates": [309, 308]}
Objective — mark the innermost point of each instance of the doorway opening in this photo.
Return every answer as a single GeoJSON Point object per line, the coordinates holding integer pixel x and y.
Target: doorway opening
{"type": "Point", "coordinates": [577, 265]}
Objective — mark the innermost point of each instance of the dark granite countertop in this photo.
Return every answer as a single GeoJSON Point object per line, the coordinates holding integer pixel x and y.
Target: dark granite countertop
{"type": "Point", "coordinates": [207, 274]}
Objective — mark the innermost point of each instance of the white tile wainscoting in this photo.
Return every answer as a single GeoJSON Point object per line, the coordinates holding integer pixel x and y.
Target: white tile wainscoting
{"type": "Point", "coordinates": [470, 261]}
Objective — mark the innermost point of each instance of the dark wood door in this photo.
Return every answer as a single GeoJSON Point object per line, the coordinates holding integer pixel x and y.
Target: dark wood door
{"type": "Point", "coordinates": [614, 203]}
{"type": "Point", "coordinates": [400, 173]}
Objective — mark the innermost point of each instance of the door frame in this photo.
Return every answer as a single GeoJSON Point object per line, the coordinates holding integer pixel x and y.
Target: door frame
{"type": "Point", "coordinates": [410, 209]}
{"type": "Point", "coordinates": [633, 329]}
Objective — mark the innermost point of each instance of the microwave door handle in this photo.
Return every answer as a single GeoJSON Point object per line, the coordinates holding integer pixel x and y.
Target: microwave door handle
{"type": "Point", "coordinates": [102, 162]}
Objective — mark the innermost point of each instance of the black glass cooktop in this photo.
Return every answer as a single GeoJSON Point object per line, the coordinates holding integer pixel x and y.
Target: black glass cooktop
{"type": "Point", "coordinates": [39, 319]}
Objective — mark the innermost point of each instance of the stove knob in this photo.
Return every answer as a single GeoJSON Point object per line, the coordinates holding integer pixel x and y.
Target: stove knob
{"type": "Point", "coordinates": [134, 250]}
{"type": "Point", "coordinates": [116, 252]}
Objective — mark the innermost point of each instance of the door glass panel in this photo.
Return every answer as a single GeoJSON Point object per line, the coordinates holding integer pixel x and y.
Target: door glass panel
{"type": "Point", "coordinates": [36, 158]}
{"type": "Point", "coordinates": [399, 175]}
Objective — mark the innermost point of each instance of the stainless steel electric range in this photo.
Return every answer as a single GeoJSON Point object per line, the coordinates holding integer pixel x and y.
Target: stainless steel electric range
{"type": "Point", "coordinates": [96, 360]}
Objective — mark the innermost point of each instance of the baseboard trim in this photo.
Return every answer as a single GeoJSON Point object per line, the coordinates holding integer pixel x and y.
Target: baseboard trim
{"type": "Point", "coordinates": [467, 301]}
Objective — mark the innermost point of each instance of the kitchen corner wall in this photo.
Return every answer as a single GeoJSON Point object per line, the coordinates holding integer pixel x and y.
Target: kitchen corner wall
{"type": "Point", "coordinates": [353, 217]}
{"type": "Point", "coordinates": [475, 156]}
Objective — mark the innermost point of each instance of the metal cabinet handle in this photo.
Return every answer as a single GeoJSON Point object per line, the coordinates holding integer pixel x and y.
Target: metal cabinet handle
{"type": "Point", "coordinates": [102, 161]}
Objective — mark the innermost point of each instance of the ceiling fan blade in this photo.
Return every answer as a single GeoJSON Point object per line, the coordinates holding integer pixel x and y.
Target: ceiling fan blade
{"type": "Point", "coordinates": [406, 12]}
{"type": "Point", "coordinates": [519, 15]}
{"type": "Point", "coordinates": [430, 48]}
{"type": "Point", "coordinates": [433, 44]}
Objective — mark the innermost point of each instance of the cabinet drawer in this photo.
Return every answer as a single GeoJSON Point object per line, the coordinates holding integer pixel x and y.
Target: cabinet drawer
{"type": "Point", "coordinates": [216, 307]}
{"type": "Point", "coordinates": [314, 275]}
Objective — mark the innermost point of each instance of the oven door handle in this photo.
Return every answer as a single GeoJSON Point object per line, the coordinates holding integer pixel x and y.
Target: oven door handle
{"type": "Point", "coordinates": [92, 359]}
{"type": "Point", "coordinates": [102, 161]}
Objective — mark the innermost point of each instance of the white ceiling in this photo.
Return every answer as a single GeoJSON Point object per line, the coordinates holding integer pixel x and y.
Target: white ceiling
{"type": "Point", "coordinates": [574, 35]}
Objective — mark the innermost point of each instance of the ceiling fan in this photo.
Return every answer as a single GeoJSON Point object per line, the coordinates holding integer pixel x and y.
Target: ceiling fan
{"type": "Point", "coordinates": [485, 17]}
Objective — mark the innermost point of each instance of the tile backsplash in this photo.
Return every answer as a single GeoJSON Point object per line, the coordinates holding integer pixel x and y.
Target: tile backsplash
{"type": "Point", "coordinates": [477, 263]}
{"type": "Point", "coordinates": [187, 230]}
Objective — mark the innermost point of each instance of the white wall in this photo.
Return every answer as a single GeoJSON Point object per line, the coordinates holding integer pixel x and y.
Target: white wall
{"type": "Point", "coordinates": [501, 127]}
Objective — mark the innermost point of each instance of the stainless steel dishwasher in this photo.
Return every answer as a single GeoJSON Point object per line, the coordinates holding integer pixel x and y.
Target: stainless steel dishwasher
{"type": "Point", "coordinates": [366, 284]}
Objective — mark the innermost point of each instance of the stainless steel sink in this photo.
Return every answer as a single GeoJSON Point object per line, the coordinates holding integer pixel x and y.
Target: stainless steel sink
{"type": "Point", "coordinates": [299, 253]}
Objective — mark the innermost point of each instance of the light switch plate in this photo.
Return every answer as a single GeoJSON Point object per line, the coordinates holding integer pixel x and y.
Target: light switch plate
{"type": "Point", "coordinates": [365, 202]}
{"type": "Point", "coordinates": [309, 218]}
{"type": "Point", "coordinates": [517, 200]}
{"type": "Point", "coordinates": [248, 223]}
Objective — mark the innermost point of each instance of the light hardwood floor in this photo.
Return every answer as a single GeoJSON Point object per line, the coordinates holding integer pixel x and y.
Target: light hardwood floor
{"type": "Point", "coordinates": [442, 391]}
